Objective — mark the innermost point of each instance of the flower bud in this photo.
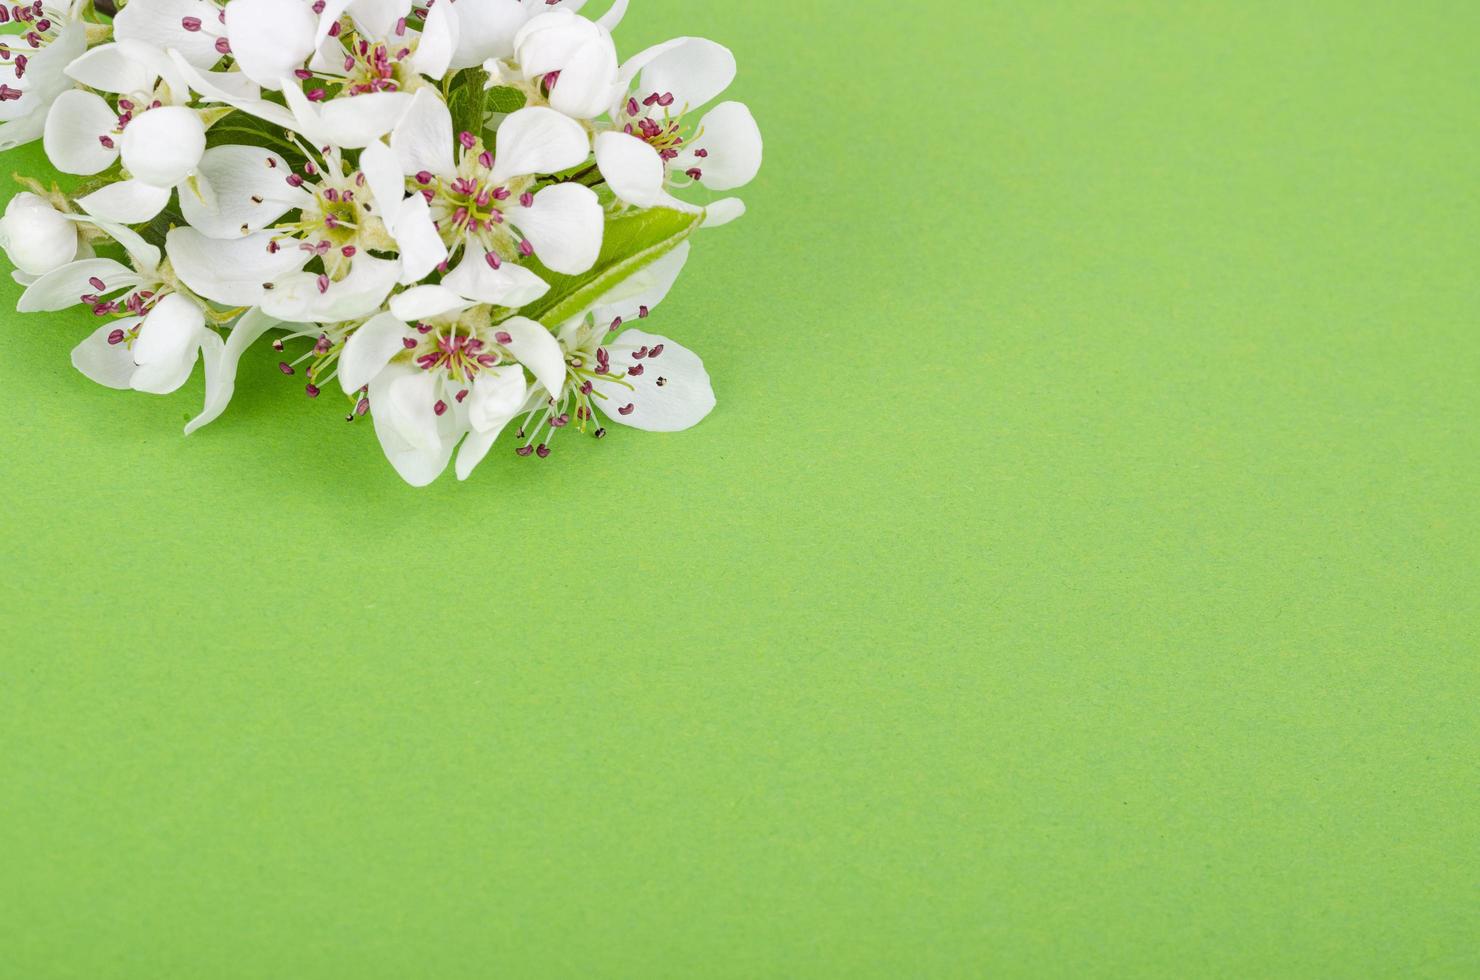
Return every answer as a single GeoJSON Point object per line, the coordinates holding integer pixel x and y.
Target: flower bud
{"type": "Point", "coordinates": [575, 57]}
{"type": "Point", "coordinates": [35, 236]}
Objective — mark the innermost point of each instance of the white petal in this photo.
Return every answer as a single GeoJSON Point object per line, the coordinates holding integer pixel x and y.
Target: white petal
{"type": "Point", "coordinates": [410, 400]}
{"type": "Point", "coordinates": [232, 84]}
{"type": "Point", "coordinates": [555, 37]}
{"type": "Point", "coordinates": [635, 64]}
{"type": "Point", "coordinates": [723, 212]}
{"type": "Point", "coordinates": [422, 461]}
{"type": "Point", "coordinates": [386, 180]}
{"type": "Point", "coordinates": [65, 287]}
{"type": "Point", "coordinates": [251, 190]}
{"type": "Point", "coordinates": [694, 72]}
{"type": "Point", "coordinates": [486, 29]}
{"type": "Point", "coordinates": [565, 227]}
{"type": "Point", "coordinates": [222, 361]}
{"type": "Point", "coordinates": [377, 18]}
{"type": "Point", "coordinates": [536, 348]}
{"type": "Point", "coordinates": [128, 202]}
{"type": "Point", "coordinates": [547, 39]}
{"type": "Point", "coordinates": [417, 239]}
{"type": "Point", "coordinates": [537, 140]}
{"type": "Point", "coordinates": [642, 291]}
{"type": "Point", "coordinates": [231, 271]}
{"type": "Point", "coordinates": [424, 302]}
{"type": "Point", "coordinates": [417, 467]}
{"type": "Point", "coordinates": [212, 351]}
{"type": "Point", "coordinates": [25, 116]}
{"type": "Point", "coordinates": [46, 76]}
{"type": "Point", "coordinates": [632, 168]}
{"type": "Point", "coordinates": [423, 138]}
{"type": "Point", "coordinates": [270, 38]}
{"type": "Point", "coordinates": [114, 68]}
{"type": "Point", "coordinates": [107, 364]}
{"type": "Point", "coordinates": [509, 285]}
{"type": "Point", "coordinates": [211, 88]}
{"type": "Point", "coordinates": [24, 128]}
{"type": "Point", "coordinates": [496, 398]}
{"type": "Point", "coordinates": [144, 255]}
{"type": "Point", "coordinates": [74, 128]}
{"type": "Point", "coordinates": [160, 23]}
{"type": "Point", "coordinates": [682, 400]}
{"type": "Point", "coordinates": [369, 349]}
{"type": "Point", "coordinates": [163, 146]}
{"type": "Point", "coordinates": [437, 41]}
{"type": "Point", "coordinates": [329, 15]}
{"type": "Point", "coordinates": [669, 201]}
{"type": "Point", "coordinates": [474, 449]}
{"type": "Point", "coordinates": [586, 87]}
{"type": "Point", "coordinates": [302, 297]}
{"type": "Point", "coordinates": [613, 17]}
{"type": "Point", "coordinates": [168, 345]}
{"type": "Point", "coordinates": [733, 143]}
{"type": "Point", "coordinates": [305, 115]}
{"type": "Point", "coordinates": [352, 122]}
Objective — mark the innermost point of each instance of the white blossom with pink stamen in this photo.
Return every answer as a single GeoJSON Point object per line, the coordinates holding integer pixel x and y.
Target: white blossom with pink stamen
{"type": "Point", "coordinates": [460, 215]}
{"type": "Point", "coordinates": [33, 62]}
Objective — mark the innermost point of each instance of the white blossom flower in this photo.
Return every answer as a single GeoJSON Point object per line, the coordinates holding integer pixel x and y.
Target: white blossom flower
{"type": "Point", "coordinates": [232, 271]}
{"type": "Point", "coordinates": [365, 51]}
{"type": "Point", "coordinates": [33, 65]}
{"type": "Point", "coordinates": [636, 379]}
{"type": "Point", "coordinates": [151, 127]}
{"type": "Point", "coordinates": [154, 352]}
{"type": "Point", "coordinates": [437, 376]}
{"type": "Point", "coordinates": [654, 145]}
{"type": "Point", "coordinates": [489, 206]}
{"type": "Point", "coordinates": [36, 237]}
{"type": "Point", "coordinates": [453, 379]}
{"type": "Point", "coordinates": [227, 256]}
{"type": "Point", "coordinates": [153, 334]}
{"type": "Point", "coordinates": [418, 260]}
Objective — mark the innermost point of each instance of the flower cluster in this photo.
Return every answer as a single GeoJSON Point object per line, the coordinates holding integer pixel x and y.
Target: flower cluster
{"type": "Point", "coordinates": [458, 211]}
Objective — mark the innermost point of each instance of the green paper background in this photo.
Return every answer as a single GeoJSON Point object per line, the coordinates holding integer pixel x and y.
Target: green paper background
{"type": "Point", "coordinates": [1077, 578]}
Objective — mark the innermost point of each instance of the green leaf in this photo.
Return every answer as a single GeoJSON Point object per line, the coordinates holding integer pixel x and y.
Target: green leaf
{"type": "Point", "coordinates": [247, 130]}
{"type": "Point", "coordinates": [631, 242]}
{"type": "Point", "coordinates": [98, 181]}
{"type": "Point", "coordinates": [504, 98]}
{"type": "Point", "coordinates": [465, 100]}
{"type": "Point", "coordinates": [155, 231]}
{"type": "Point", "coordinates": [470, 103]}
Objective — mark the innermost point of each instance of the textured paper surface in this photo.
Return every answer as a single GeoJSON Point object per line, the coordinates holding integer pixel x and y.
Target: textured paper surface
{"type": "Point", "coordinates": [1078, 577]}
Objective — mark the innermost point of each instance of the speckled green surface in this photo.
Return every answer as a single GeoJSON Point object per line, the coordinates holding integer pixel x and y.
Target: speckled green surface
{"type": "Point", "coordinates": [1077, 578]}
